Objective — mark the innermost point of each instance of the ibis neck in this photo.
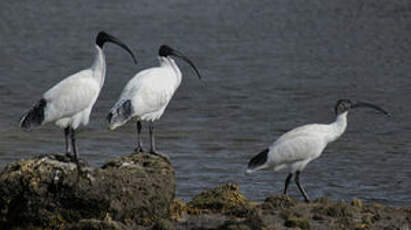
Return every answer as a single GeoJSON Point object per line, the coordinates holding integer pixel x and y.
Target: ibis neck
{"type": "Point", "coordinates": [99, 66]}
{"type": "Point", "coordinates": [168, 62]}
{"type": "Point", "coordinates": [338, 126]}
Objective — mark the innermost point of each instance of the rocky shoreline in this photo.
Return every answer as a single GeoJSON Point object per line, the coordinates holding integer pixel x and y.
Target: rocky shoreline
{"type": "Point", "coordinates": [138, 192]}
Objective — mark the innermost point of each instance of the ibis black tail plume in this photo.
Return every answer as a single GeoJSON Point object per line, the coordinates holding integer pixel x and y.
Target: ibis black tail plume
{"type": "Point", "coordinates": [34, 117]}
{"type": "Point", "coordinates": [258, 160]}
{"type": "Point", "coordinates": [123, 110]}
{"type": "Point", "coordinates": [119, 114]}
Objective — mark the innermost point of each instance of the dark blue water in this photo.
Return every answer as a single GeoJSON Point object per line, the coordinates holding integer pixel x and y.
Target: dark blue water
{"type": "Point", "coordinates": [268, 66]}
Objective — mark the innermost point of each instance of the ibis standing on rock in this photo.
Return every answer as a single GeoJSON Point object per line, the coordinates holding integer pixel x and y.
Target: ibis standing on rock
{"type": "Point", "coordinates": [147, 94]}
{"type": "Point", "coordinates": [69, 103]}
{"type": "Point", "coordinates": [299, 146]}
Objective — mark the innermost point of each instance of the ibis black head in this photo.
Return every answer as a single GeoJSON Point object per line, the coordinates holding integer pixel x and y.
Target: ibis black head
{"type": "Point", "coordinates": [344, 105]}
{"type": "Point", "coordinates": [166, 50]}
{"type": "Point", "coordinates": [104, 37]}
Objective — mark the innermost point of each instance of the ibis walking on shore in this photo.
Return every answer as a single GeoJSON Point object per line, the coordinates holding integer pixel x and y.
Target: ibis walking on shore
{"type": "Point", "coordinates": [299, 146]}
{"type": "Point", "coordinates": [147, 94]}
{"type": "Point", "coordinates": [69, 103]}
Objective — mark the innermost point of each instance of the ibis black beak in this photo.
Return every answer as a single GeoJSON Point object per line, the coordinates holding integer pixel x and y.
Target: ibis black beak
{"type": "Point", "coordinates": [369, 105]}
{"type": "Point", "coordinates": [166, 50]}
{"type": "Point", "coordinates": [180, 55]}
{"type": "Point", "coordinates": [103, 37]}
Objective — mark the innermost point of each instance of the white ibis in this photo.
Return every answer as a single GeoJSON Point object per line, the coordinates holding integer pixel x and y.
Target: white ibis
{"type": "Point", "coordinates": [69, 102]}
{"type": "Point", "coordinates": [299, 146]}
{"type": "Point", "coordinates": [147, 94]}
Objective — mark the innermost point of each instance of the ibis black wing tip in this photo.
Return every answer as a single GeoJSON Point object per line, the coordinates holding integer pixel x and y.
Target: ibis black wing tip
{"type": "Point", "coordinates": [34, 117]}
{"type": "Point", "coordinates": [258, 160]}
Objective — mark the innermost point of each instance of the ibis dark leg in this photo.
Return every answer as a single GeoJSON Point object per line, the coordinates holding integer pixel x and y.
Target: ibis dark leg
{"type": "Point", "coordinates": [152, 140]}
{"type": "Point", "coordinates": [73, 145]}
{"type": "Point", "coordinates": [139, 148]}
{"type": "Point", "coordinates": [75, 157]}
{"type": "Point", "coordinates": [297, 181]}
{"type": "Point", "coordinates": [287, 182]}
{"type": "Point", "coordinates": [67, 138]}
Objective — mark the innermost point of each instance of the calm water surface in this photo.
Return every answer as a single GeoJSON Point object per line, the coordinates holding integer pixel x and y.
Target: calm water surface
{"type": "Point", "coordinates": [268, 66]}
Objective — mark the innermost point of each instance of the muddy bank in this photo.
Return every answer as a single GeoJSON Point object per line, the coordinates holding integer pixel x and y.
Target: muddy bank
{"type": "Point", "coordinates": [137, 192]}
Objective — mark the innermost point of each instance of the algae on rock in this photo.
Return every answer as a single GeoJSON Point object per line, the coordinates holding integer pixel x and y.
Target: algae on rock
{"type": "Point", "coordinates": [223, 199]}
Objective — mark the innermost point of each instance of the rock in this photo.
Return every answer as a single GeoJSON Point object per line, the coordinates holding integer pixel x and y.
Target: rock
{"type": "Point", "coordinates": [297, 222]}
{"type": "Point", "coordinates": [236, 226]}
{"type": "Point", "coordinates": [279, 201]}
{"type": "Point", "coordinates": [93, 224]}
{"type": "Point", "coordinates": [178, 210]}
{"type": "Point", "coordinates": [223, 207]}
{"type": "Point", "coordinates": [223, 199]}
{"type": "Point", "coordinates": [284, 212]}
{"type": "Point", "coordinates": [48, 192]}
{"type": "Point", "coordinates": [164, 224]}
{"type": "Point", "coordinates": [356, 203]}
{"type": "Point", "coordinates": [137, 192]}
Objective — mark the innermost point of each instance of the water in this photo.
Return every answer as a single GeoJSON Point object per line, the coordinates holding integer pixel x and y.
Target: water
{"type": "Point", "coordinates": [268, 66]}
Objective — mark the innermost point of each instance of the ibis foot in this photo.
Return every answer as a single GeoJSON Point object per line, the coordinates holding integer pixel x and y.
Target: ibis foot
{"type": "Point", "coordinates": [159, 155]}
{"type": "Point", "coordinates": [139, 149]}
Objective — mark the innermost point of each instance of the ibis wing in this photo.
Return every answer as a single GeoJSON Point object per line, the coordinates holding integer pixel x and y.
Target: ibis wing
{"type": "Point", "coordinates": [300, 144]}
{"type": "Point", "coordinates": [149, 91]}
{"type": "Point", "coordinates": [71, 96]}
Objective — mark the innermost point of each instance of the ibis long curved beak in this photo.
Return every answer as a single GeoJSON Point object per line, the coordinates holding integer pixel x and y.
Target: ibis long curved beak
{"type": "Point", "coordinates": [180, 55]}
{"type": "Point", "coordinates": [103, 37]}
{"type": "Point", "coordinates": [369, 105]}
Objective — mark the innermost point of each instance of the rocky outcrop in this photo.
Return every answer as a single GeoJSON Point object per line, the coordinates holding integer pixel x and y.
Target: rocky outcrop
{"type": "Point", "coordinates": [137, 192]}
{"type": "Point", "coordinates": [49, 192]}
{"type": "Point", "coordinates": [224, 207]}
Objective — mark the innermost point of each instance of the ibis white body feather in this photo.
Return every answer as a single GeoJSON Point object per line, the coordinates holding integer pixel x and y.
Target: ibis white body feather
{"type": "Point", "coordinates": [69, 103]}
{"type": "Point", "coordinates": [297, 147]}
{"type": "Point", "coordinates": [149, 93]}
